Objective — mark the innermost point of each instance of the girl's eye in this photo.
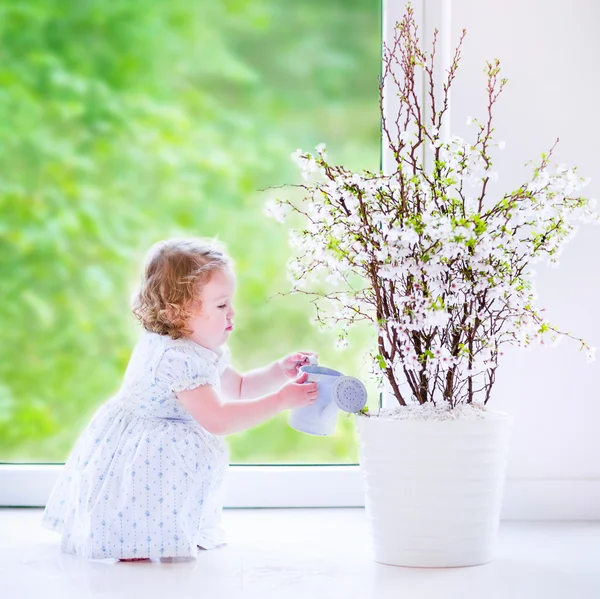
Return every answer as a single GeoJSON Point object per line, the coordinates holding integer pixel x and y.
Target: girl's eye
{"type": "Point", "coordinates": [223, 306]}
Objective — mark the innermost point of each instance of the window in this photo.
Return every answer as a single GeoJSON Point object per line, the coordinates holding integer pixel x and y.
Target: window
{"type": "Point", "coordinates": [128, 122]}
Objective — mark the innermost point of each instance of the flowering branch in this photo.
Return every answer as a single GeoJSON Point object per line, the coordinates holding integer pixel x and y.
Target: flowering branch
{"type": "Point", "coordinates": [442, 272]}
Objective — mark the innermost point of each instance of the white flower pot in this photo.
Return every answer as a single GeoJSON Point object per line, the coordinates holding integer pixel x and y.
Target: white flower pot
{"type": "Point", "coordinates": [433, 488]}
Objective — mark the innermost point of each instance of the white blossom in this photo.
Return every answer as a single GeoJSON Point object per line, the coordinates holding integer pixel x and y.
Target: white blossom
{"type": "Point", "coordinates": [276, 210]}
{"type": "Point", "coordinates": [426, 258]}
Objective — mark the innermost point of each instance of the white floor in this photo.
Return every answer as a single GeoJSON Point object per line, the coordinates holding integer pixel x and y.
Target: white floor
{"type": "Point", "coordinates": [308, 553]}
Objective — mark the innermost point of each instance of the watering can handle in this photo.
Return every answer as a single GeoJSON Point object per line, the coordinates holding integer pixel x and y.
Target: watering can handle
{"type": "Point", "coordinates": [308, 360]}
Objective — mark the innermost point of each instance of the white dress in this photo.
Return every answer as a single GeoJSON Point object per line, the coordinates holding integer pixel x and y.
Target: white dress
{"type": "Point", "coordinates": [144, 479]}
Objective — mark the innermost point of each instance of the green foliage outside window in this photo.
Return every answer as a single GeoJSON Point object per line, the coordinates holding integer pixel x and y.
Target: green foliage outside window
{"type": "Point", "coordinates": [122, 123]}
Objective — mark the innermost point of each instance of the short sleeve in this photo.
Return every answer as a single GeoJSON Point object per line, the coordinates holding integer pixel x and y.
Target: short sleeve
{"type": "Point", "coordinates": [181, 370]}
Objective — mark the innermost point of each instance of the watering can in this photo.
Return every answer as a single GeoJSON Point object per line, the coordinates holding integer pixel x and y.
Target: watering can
{"type": "Point", "coordinates": [336, 392]}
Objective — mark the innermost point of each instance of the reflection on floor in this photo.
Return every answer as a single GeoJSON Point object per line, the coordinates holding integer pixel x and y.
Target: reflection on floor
{"type": "Point", "coordinates": [302, 553]}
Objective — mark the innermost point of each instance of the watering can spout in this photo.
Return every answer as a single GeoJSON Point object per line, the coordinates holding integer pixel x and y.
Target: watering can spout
{"type": "Point", "coordinates": [349, 394]}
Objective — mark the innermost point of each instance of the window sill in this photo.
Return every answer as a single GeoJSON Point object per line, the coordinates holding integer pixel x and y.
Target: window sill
{"type": "Point", "coordinates": [29, 485]}
{"type": "Point", "coordinates": [299, 486]}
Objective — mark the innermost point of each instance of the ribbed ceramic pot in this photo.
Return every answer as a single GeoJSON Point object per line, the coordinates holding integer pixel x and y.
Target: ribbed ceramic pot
{"type": "Point", "coordinates": [433, 488]}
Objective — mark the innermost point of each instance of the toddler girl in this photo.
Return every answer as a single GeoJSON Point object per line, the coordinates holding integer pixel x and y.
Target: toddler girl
{"type": "Point", "coordinates": [144, 479]}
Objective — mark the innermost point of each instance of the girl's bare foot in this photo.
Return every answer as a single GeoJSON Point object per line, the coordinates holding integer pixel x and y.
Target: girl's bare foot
{"type": "Point", "coordinates": [135, 559]}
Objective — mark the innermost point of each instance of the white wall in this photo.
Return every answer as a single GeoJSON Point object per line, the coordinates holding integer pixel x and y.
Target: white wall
{"type": "Point", "coordinates": [550, 53]}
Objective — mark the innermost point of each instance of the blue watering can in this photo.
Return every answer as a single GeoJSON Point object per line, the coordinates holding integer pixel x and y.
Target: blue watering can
{"type": "Point", "coordinates": [336, 392]}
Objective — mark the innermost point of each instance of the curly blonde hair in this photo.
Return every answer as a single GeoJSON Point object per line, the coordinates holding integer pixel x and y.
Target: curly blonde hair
{"type": "Point", "coordinates": [175, 272]}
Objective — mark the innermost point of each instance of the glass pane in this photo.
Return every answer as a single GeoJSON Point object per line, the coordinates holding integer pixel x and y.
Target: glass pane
{"type": "Point", "coordinates": [122, 123]}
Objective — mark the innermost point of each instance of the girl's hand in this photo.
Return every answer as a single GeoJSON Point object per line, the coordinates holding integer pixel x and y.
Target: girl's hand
{"type": "Point", "coordinates": [298, 393]}
{"type": "Point", "coordinates": [290, 365]}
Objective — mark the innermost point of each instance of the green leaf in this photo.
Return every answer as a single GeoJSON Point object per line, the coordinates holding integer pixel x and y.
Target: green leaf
{"type": "Point", "coordinates": [381, 360]}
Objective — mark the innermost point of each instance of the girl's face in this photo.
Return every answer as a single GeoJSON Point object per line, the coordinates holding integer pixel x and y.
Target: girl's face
{"type": "Point", "coordinates": [213, 323]}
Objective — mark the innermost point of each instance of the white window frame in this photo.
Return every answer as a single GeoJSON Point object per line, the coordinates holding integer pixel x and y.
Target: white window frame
{"type": "Point", "coordinates": [24, 485]}
{"type": "Point", "coordinates": [342, 485]}
{"type": "Point", "coordinates": [246, 486]}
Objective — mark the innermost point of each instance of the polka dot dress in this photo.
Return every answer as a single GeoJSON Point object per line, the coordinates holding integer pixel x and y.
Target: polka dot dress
{"type": "Point", "coordinates": [144, 479]}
